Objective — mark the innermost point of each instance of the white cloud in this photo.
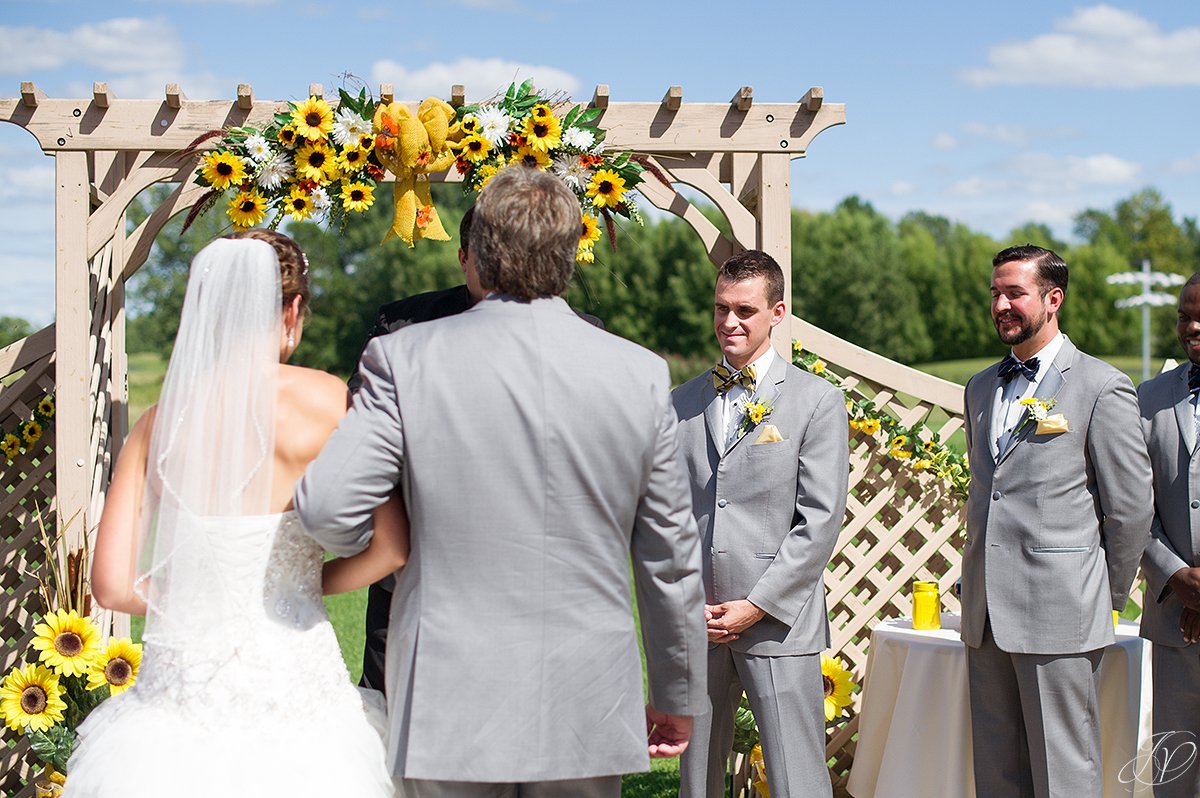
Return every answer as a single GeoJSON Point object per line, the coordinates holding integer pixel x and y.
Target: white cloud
{"type": "Point", "coordinates": [150, 86]}
{"type": "Point", "coordinates": [1056, 215]}
{"type": "Point", "coordinates": [1047, 174]}
{"type": "Point", "coordinates": [127, 45]}
{"type": "Point", "coordinates": [482, 77]}
{"type": "Point", "coordinates": [944, 141]}
{"type": "Point", "coordinates": [29, 184]}
{"type": "Point", "coordinates": [1184, 166]}
{"type": "Point", "coordinates": [901, 188]}
{"type": "Point", "coordinates": [1016, 135]}
{"type": "Point", "coordinates": [1096, 47]}
{"type": "Point", "coordinates": [974, 186]}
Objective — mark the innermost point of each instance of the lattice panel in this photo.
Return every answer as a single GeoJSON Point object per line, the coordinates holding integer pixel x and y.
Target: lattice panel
{"type": "Point", "coordinates": [28, 485]}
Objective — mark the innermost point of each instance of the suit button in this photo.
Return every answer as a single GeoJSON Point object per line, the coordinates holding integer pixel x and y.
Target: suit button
{"type": "Point", "coordinates": [996, 496]}
{"type": "Point", "coordinates": [1195, 504]}
{"type": "Point", "coordinates": [722, 503]}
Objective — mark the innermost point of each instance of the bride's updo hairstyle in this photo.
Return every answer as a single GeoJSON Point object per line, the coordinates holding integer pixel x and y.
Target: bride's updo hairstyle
{"type": "Point", "coordinates": [293, 265]}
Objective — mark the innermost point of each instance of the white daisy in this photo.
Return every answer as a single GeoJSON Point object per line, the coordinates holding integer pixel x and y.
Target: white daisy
{"type": "Point", "coordinates": [578, 138]}
{"type": "Point", "coordinates": [348, 126]}
{"type": "Point", "coordinates": [320, 201]}
{"type": "Point", "coordinates": [572, 172]}
{"type": "Point", "coordinates": [257, 148]}
{"type": "Point", "coordinates": [493, 124]}
{"type": "Point", "coordinates": [275, 172]}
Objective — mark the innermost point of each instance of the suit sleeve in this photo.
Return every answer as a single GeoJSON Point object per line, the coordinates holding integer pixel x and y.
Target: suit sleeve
{"type": "Point", "coordinates": [665, 553]}
{"type": "Point", "coordinates": [1118, 454]}
{"type": "Point", "coordinates": [821, 482]}
{"type": "Point", "coordinates": [359, 465]}
{"type": "Point", "coordinates": [1161, 560]}
{"type": "Point", "coordinates": [380, 328]}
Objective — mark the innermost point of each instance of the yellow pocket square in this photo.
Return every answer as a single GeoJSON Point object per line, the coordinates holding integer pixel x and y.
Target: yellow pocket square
{"type": "Point", "coordinates": [1052, 425]}
{"type": "Point", "coordinates": [769, 434]}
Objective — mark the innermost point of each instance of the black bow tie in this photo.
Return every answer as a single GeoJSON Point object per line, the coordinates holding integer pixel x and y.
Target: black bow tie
{"type": "Point", "coordinates": [1011, 367]}
{"type": "Point", "coordinates": [1194, 378]}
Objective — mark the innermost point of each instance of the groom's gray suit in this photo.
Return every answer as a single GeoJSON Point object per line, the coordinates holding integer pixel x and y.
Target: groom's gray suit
{"type": "Point", "coordinates": [1169, 423]}
{"type": "Point", "coordinates": [1056, 524]}
{"type": "Point", "coordinates": [538, 460]}
{"type": "Point", "coordinates": [769, 516]}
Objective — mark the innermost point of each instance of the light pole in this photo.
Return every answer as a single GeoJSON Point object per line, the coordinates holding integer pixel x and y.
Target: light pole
{"type": "Point", "coordinates": [1147, 299]}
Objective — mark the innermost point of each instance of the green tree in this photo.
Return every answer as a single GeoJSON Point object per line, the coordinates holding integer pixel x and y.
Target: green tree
{"type": "Point", "coordinates": [13, 328]}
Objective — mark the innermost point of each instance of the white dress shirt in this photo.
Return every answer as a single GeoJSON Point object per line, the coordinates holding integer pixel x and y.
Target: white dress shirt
{"type": "Point", "coordinates": [1007, 410]}
{"type": "Point", "coordinates": [737, 397]}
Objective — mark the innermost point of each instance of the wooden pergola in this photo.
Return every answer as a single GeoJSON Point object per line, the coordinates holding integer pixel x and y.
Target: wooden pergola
{"type": "Point", "coordinates": [899, 527]}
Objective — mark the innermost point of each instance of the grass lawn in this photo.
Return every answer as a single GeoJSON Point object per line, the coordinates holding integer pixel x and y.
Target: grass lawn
{"type": "Point", "coordinates": [962, 370]}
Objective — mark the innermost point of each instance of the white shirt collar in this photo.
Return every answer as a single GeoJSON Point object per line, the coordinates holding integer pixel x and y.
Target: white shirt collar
{"type": "Point", "coordinates": [1046, 356]}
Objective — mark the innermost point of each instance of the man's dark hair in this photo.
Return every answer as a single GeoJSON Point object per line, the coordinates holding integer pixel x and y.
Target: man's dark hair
{"type": "Point", "coordinates": [754, 263]}
{"type": "Point", "coordinates": [464, 230]}
{"type": "Point", "coordinates": [1051, 269]}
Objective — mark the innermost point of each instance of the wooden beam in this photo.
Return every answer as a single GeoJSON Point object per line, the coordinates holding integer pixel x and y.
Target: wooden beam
{"type": "Point", "coordinates": [245, 96]}
{"type": "Point", "coordinates": [175, 96]}
{"type": "Point", "coordinates": [600, 96]}
{"type": "Point", "coordinates": [813, 98]}
{"type": "Point", "coordinates": [101, 95]}
{"type": "Point", "coordinates": [458, 95]}
{"type": "Point", "coordinates": [673, 98]}
{"type": "Point", "coordinates": [743, 99]}
{"type": "Point", "coordinates": [316, 90]}
{"type": "Point", "coordinates": [30, 94]}
{"type": "Point", "coordinates": [387, 94]}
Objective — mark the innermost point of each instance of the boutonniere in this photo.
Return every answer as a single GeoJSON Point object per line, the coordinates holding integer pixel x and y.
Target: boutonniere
{"type": "Point", "coordinates": [753, 414]}
{"type": "Point", "coordinates": [1039, 411]}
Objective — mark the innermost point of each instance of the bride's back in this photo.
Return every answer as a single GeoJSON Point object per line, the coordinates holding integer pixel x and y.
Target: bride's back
{"type": "Point", "coordinates": [309, 406]}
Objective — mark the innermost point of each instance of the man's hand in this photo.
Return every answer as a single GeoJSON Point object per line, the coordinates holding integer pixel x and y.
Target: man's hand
{"type": "Point", "coordinates": [1186, 584]}
{"type": "Point", "coordinates": [1189, 624]}
{"type": "Point", "coordinates": [666, 735]}
{"type": "Point", "coordinates": [730, 618]}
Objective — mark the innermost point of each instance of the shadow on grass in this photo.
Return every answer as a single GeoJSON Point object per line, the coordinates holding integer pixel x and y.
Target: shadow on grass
{"type": "Point", "coordinates": [655, 784]}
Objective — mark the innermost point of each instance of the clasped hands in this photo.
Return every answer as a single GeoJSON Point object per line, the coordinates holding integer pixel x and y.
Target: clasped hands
{"type": "Point", "coordinates": [1186, 584]}
{"type": "Point", "coordinates": [727, 620]}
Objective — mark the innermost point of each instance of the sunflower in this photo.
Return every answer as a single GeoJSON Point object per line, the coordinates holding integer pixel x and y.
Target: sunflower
{"type": "Point", "coordinates": [476, 148]}
{"type": "Point", "coordinates": [486, 173]}
{"type": "Point", "coordinates": [542, 133]}
{"type": "Point", "coordinates": [46, 406]}
{"type": "Point", "coordinates": [469, 124]}
{"type": "Point", "coordinates": [223, 169]}
{"type": "Point", "coordinates": [366, 142]}
{"type": "Point", "coordinates": [357, 197]}
{"type": "Point", "coordinates": [287, 136]}
{"type": "Point", "coordinates": [870, 426]}
{"type": "Point", "coordinates": [10, 445]}
{"type": "Point", "coordinates": [117, 666]}
{"type": "Point", "coordinates": [313, 119]}
{"type": "Point", "coordinates": [838, 686]}
{"type": "Point", "coordinates": [528, 156]}
{"type": "Point", "coordinates": [299, 204]}
{"type": "Point", "coordinates": [247, 209]}
{"type": "Point", "coordinates": [541, 112]}
{"type": "Point", "coordinates": [67, 642]}
{"type": "Point", "coordinates": [31, 697]}
{"type": "Point", "coordinates": [352, 160]}
{"type": "Point", "coordinates": [591, 231]}
{"type": "Point", "coordinates": [818, 367]}
{"type": "Point", "coordinates": [31, 431]}
{"type": "Point", "coordinates": [606, 189]}
{"type": "Point", "coordinates": [317, 162]}
{"type": "Point", "coordinates": [585, 255]}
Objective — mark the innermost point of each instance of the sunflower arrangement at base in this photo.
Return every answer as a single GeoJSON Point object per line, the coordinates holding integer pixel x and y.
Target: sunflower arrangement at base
{"type": "Point", "coordinates": [523, 128]}
{"type": "Point", "coordinates": [23, 437]}
{"type": "Point", "coordinates": [312, 162]}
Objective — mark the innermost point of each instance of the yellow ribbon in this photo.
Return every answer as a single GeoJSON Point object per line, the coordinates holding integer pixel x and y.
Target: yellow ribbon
{"type": "Point", "coordinates": [412, 148]}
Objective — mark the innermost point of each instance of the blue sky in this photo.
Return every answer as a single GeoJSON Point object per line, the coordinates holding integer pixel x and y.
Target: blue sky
{"type": "Point", "coordinates": [992, 114]}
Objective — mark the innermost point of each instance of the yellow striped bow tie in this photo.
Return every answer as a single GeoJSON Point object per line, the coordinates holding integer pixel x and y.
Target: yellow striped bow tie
{"type": "Point", "coordinates": [724, 379]}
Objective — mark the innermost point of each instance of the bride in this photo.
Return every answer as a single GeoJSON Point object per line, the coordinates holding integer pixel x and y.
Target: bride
{"type": "Point", "coordinates": [242, 688]}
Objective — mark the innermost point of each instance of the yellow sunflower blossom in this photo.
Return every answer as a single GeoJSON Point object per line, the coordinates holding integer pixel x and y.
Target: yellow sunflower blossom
{"type": "Point", "coordinates": [298, 204]}
{"type": "Point", "coordinates": [797, 347]}
{"type": "Point", "coordinates": [855, 424]}
{"type": "Point", "coordinates": [31, 697]}
{"type": "Point", "coordinates": [900, 454]}
{"type": "Point", "coordinates": [469, 124]}
{"type": "Point", "coordinates": [898, 441]}
{"type": "Point", "coordinates": [838, 686]}
{"type": "Point", "coordinates": [223, 169]}
{"type": "Point", "coordinates": [870, 426]}
{"type": "Point", "coordinates": [11, 446]}
{"type": "Point", "coordinates": [818, 367]}
{"type": "Point", "coordinates": [541, 111]}
{"type": "Point", "coordinates": [352, 160]}
{"type": "Point", "coordinates": [476, 148]}
{"type": "Point", "coordinates": [315, 161]}
{"type": "Point", "coordinates": [922, 464]}
{"type": "Point", "coordinates": [313, 119]}
{"type": "Point", "coordinates": [247, 209]}
{"type": "Point", "coordinates": [591, 231]}
{"type": "Point", "coordinates": [929, 446]}
{"type": "Point", "coordinates": [357, 197]}
{"type": "Point", "coordinates": [528, 156]}
{"type": "Point", "coordinates": [46, 406]}
{"type": "Point", "coordinates": [287, 136]}
{"type": "Point", "coordinates": [542, 133]}
{"type": "Point", "coordinates": [117, 666]}
{"type": "Point", "coordinates": [486, 173]}
{"type": "Point", "coordinates": [366, 141]}
{"type": "Point", "coordinates": [67, 642]}
{"type": "Point", "coordinates": [31, 431]}
{"type": "Point", "coordinates": [585, 255]}
{"type": "Point", "coordinates": [606, 189]}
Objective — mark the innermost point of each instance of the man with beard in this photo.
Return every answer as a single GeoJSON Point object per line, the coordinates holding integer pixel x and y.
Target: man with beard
{"type": "Point", "coordinates": [1057, 518]}
{"type": "Point", "coordinates": [1171, 616]}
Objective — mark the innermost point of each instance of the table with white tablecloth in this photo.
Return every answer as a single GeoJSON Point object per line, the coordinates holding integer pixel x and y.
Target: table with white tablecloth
{"type": "Point", "coordinates": [915, 723]}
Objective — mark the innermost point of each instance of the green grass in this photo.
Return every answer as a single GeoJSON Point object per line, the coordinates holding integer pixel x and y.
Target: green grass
{"type": "Point", "coordinates": [960, 371]}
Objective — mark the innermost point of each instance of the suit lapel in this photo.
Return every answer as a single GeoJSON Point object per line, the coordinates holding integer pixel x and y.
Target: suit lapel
{"type": "Point", "coordinates": [1185, 412]}
{"type": "Point", "coordinates": [712, 416]}
{"type": "Point", "coordinates": [1048, 388]}
{"type": "Point", "coordinates": [768, 390]}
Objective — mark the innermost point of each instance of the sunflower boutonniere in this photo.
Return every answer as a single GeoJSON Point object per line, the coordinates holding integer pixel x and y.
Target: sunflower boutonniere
{"type": "Point", "coordinates": [1038, 410]}
{"type": "Point", "coordinates": [753, 414]}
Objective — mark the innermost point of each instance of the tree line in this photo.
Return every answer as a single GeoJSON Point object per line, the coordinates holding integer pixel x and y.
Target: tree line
{"type": "Point", "coordinates": [914, 290]}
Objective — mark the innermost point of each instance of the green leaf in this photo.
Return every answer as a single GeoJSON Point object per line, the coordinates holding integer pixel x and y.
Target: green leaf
{"type": "Point", "coordinates": [508, 95]}
{"type": "Point", "coordinates": [590, 115]}
{"type": "Point", "coordinates": [569, 119]}
{"type": "Point", "coordinates": [54, 746]}
{"type": "Point", "coordinates": [346, 99]}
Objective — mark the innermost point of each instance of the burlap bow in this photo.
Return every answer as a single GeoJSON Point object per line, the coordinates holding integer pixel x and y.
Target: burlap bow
{"type": "Point", "coordinates": [412, 148]}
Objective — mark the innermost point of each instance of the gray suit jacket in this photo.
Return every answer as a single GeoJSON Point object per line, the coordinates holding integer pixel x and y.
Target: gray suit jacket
{"type": "Point", "coordinates": [1056, 524]}
{"type": "Point", "coordinates": [1169, 423]}
{"type": "Point", "coordinates": [538, 458]}
{"type": "Point", "coordinates": [770, 513]}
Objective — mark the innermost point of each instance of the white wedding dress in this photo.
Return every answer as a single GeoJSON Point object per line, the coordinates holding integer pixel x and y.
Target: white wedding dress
{"type": "Point", "coordinates": [256, 701]}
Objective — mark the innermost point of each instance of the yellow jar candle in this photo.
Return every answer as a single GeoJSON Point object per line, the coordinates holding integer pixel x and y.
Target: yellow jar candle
{"type": "Point", "coordinates": [927, 606]}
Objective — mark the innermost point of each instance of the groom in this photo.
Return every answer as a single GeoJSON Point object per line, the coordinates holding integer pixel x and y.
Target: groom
{"type": "Point", "coordinates": [538, 460]}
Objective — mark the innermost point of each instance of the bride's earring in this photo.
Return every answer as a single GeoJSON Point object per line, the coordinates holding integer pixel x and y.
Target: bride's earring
{"type": "Point", "coordinates": [291, 339]}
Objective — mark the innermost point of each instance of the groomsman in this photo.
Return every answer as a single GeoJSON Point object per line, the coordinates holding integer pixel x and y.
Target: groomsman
{"type": "Point", "coordinates": [1171, 615]}
{"type": "Point", "coordinates": [769, 495]}
{"type": "Point", "coordinates": [1057, 518]}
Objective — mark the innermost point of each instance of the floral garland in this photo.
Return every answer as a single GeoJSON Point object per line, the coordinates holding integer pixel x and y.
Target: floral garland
{"type": "Point", "coordinates": [317, 162]}
{"type": "Point", "coordinates": [25, 435]}
{"type": "Point", "coordinates": [918, 446]}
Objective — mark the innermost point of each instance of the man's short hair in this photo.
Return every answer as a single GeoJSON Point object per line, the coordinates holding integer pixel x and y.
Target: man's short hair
{"type": "Point", "coordinates": [754, 263]}
{"type": "Point", "coordinates": [525, 233]}
{"type": "Point", "coordinates": [464, 230]}
{"type": "Point", "coordinates": [1051, 269]}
